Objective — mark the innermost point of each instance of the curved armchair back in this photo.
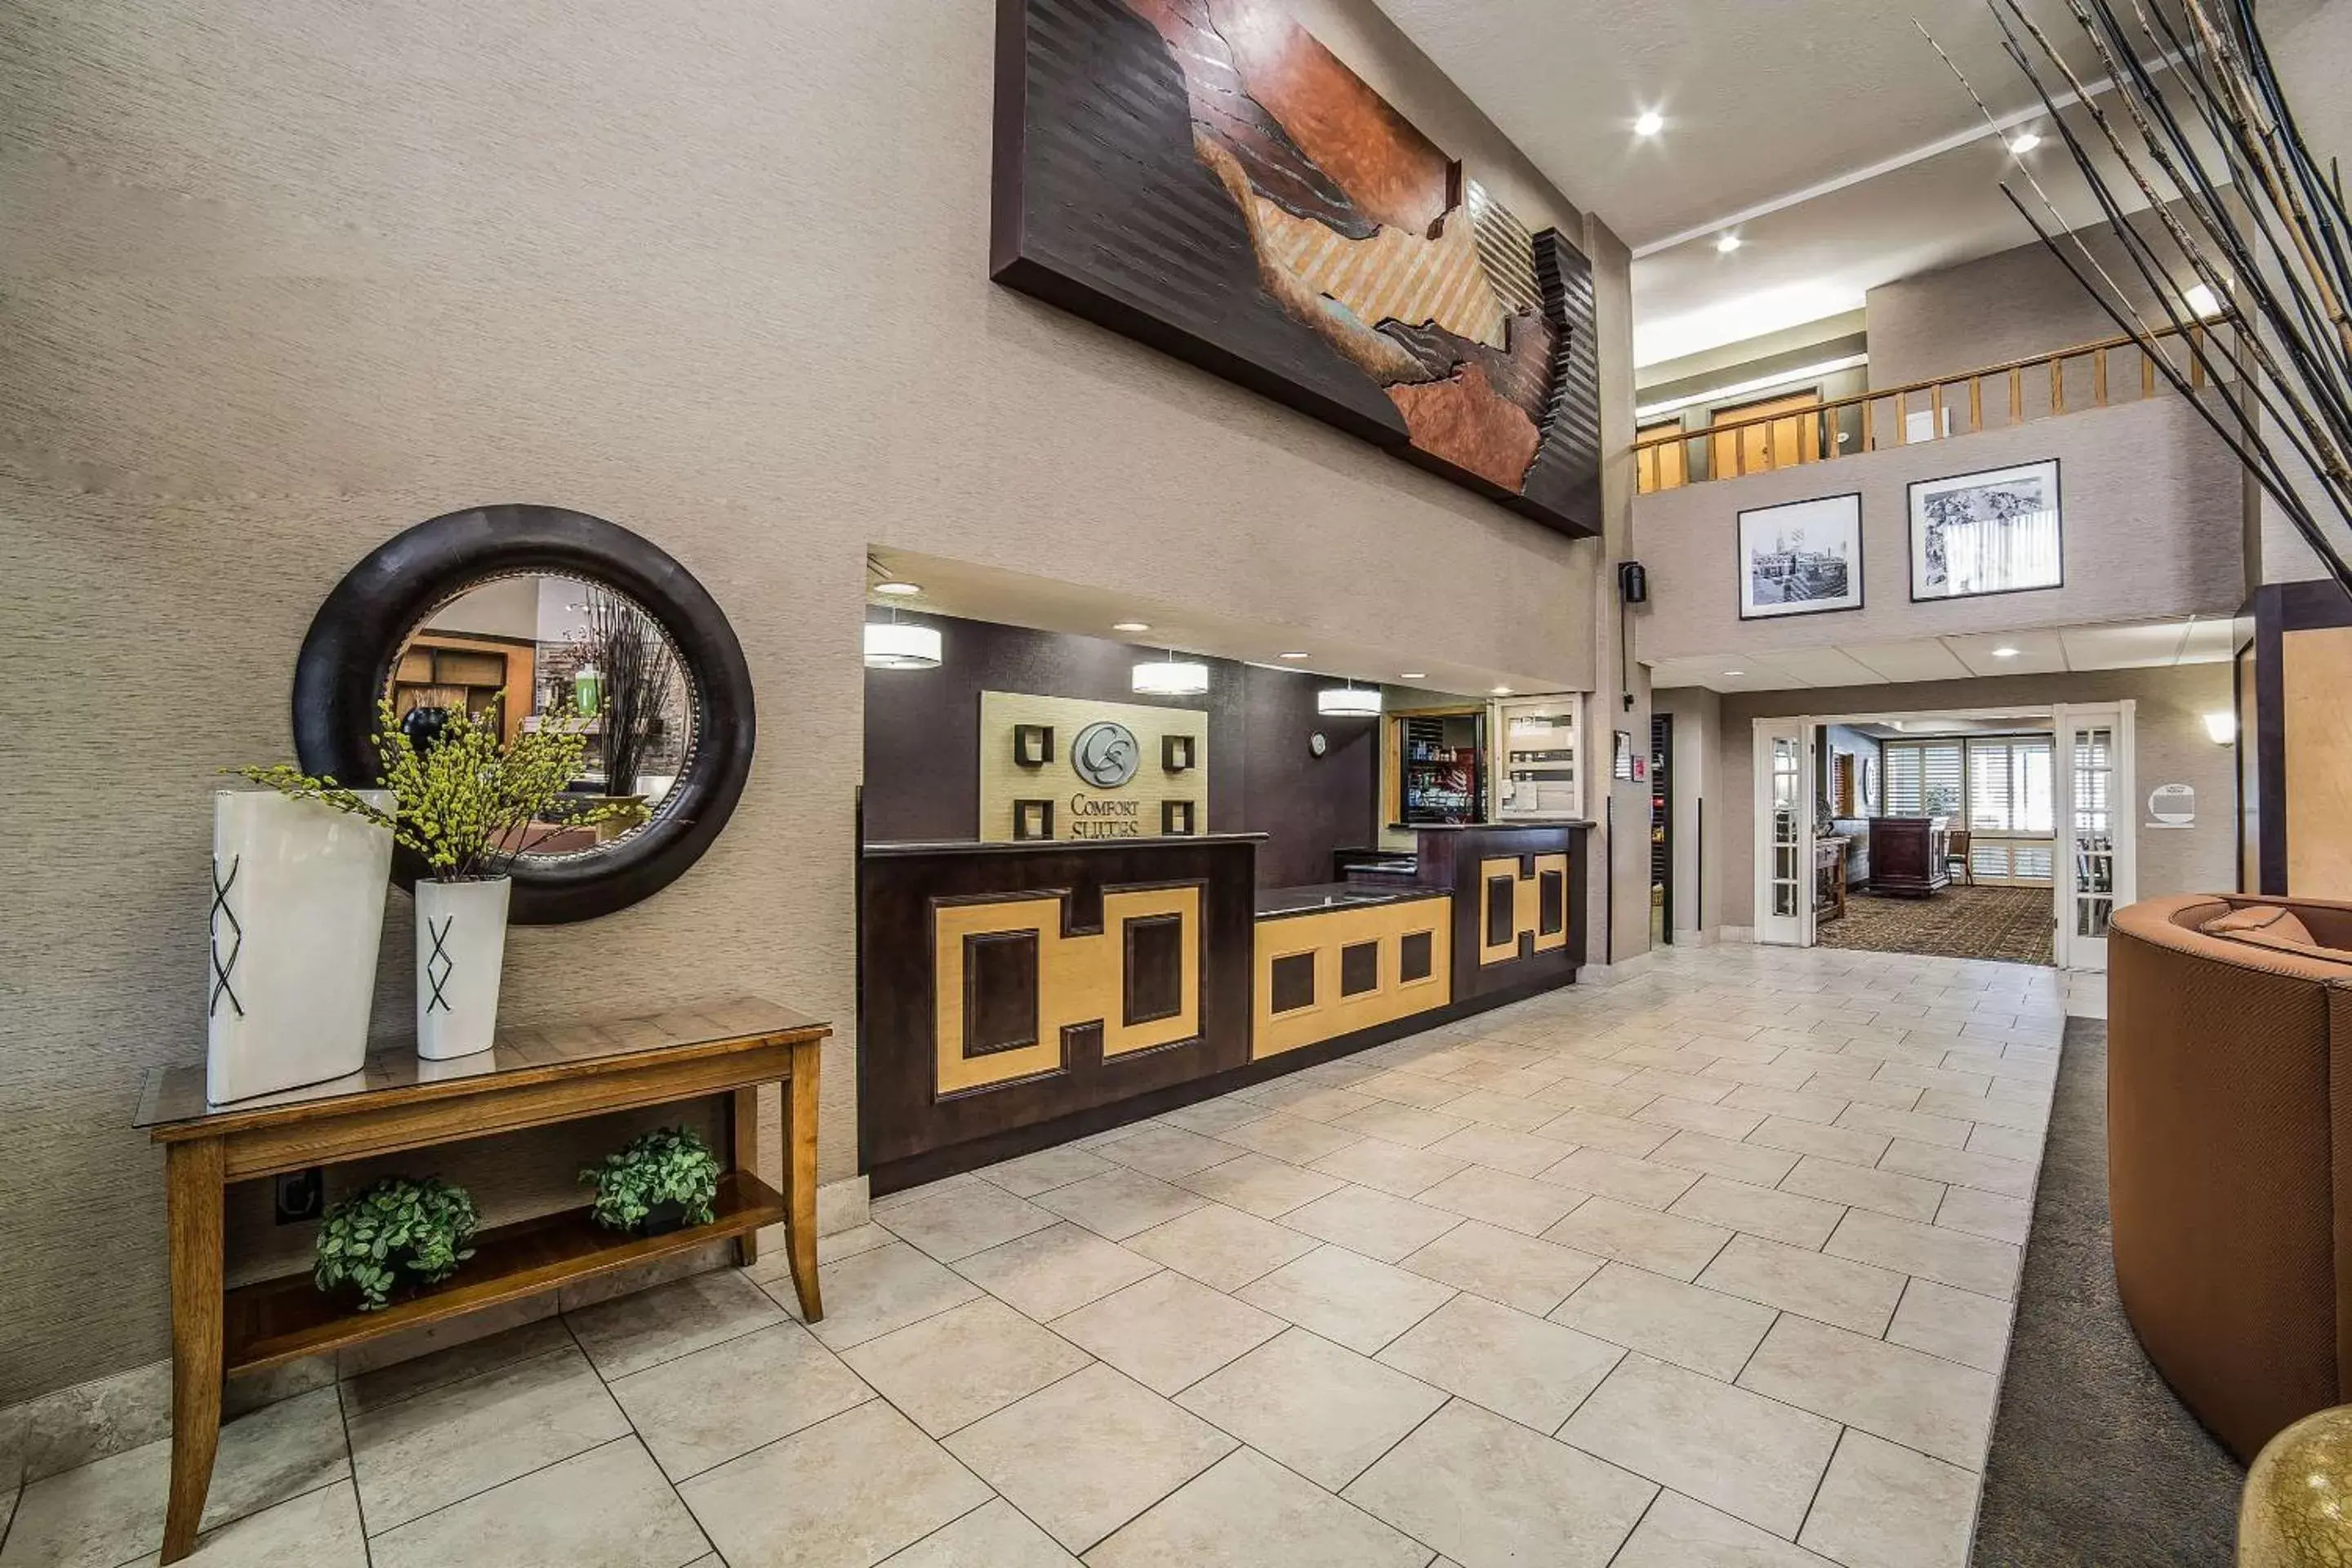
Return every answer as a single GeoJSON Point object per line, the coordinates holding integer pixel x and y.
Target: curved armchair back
{"type": "Point", "coordinates": [2230, 1159]}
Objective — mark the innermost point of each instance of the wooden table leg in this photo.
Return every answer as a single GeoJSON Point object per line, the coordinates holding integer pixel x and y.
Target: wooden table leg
{"type": "Point", "coordinates": [799, 1173]}
{"type": "Point", "coordinates": [193, 1183]}
{"type": "Point", "coordinates": [743, 1154]}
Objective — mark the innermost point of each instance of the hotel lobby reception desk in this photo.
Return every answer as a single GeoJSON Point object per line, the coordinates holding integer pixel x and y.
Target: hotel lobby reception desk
{"type": "Point", "coordinates": [1014, 996]}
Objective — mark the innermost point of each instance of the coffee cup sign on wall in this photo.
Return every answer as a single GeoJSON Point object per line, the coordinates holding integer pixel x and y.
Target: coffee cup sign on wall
{"type": "Point", "coordinates": [1124, 765]}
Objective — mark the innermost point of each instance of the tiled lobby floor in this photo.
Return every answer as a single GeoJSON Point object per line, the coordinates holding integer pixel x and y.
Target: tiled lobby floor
{"type": "Point", "coordinates": [1712, 1266]}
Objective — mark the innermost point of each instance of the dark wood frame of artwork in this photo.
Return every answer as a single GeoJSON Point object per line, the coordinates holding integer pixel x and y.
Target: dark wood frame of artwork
{"type": "Point", "coordinates": [1911, 532]}
{"type": "Point", "coordinates": [1739, 553]}
{"type": "Point", "coordinates": [1049, 178]}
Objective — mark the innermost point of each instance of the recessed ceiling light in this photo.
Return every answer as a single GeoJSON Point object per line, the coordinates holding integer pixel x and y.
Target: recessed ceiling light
{"type": "Point", "coordinates": [2004, 653]}
{"type": "Point", "coordinates": [1414, 675]}
{"type": "Point", "coordinates": [898, 590]}
{"type": "Point", "coordinates": [1649, 122]}
{"type": "Point", "coordinates": [1726, 244]}
{"type": "Point", "coordinates": [1735, 672]}
{"type": "Point", "coordinates": [1290, 656]}
{"type": "Point", "coordinates": [2025, 142]}
{"type": "Point", "coordinates": [1129, 626]}
{"type": "Point", "coordinates": [1502, 691]}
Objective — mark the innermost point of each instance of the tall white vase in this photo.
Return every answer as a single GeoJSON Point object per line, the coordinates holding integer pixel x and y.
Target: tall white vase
{"type": "Point", "coordinates": [461, 949]}
{"type": "Point", "coordinates": [297, 917]}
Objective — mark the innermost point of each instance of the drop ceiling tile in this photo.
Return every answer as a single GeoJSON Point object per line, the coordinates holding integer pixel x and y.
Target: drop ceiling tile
{"type": "Point", "coordinates": [2038, 653]}
{"type": "Point", "coordinates": [1923, 659]}
{"type": "Point", "coordinates": [2210, 638]}
{"type": "Point", "coordinates": [2129, 646]}
{"type": "Point", "coordinates": [1825, 666]}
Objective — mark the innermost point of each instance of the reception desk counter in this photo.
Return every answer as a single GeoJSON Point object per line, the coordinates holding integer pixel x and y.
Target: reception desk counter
{"type": "Point", "coordinates": [1014, 996]}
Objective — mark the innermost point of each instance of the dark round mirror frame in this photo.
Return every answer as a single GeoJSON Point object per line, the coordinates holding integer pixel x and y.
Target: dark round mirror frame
{"type": "Point", "coordinates": [347, 660]}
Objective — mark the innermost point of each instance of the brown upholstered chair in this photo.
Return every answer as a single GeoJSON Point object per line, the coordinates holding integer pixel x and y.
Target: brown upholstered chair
{"type": "Point", "coordinates": [2229, 1159]}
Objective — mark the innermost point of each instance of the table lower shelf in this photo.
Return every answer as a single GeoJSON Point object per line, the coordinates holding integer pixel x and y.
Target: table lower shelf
{"type": "Point", "coordinates": [278, 1321]}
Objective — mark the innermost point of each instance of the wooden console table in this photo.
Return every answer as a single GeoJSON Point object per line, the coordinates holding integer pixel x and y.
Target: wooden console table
{"type": "Point", "coordinates": [530, 1078]}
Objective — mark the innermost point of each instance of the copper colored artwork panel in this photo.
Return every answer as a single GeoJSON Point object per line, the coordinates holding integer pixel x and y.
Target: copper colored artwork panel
{"type": "Point", "coordinates": [1206, 176]}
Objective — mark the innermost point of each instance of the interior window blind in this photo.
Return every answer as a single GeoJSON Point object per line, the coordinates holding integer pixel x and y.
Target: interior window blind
{"type": "Point", "coordinates": [2009, 785]}
{"type": "Point", "coordinates": [1923, 778]}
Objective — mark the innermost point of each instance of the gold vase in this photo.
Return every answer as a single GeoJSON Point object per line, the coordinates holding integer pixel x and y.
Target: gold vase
{"type": "Point", "coordinates": [2296, 1510]}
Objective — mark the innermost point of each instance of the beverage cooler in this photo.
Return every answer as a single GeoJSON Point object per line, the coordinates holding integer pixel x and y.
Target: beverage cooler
{"type": "Point", "coordinates": [1441, 763]}
{"type": "Point", "coordinates": [1538, 758]}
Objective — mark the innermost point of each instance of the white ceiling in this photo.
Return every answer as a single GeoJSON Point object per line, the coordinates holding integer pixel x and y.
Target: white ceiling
{"type": "Point", "coordinates": [1827, 132]}
{"type": "Point", "coordinates": [2190, 639]}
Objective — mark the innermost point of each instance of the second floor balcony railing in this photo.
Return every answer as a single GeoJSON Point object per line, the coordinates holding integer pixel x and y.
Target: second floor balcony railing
{"type": "Point", "coordinates": [2088, 376]}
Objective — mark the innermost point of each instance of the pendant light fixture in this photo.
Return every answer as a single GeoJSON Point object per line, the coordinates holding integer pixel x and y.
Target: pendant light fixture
{"type": "Point", "coordinates": [900, 645]}
{"type": "Point", "coordinates": [1349, 701]}
{"type": "Point", "coordinates": [1171, 676]}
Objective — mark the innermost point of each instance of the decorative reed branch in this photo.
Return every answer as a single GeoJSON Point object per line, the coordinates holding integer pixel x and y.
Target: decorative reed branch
{"type": "Point", "coordinates": [637, 667]}
{"type": "Point", "coordinates": [2202, 134]}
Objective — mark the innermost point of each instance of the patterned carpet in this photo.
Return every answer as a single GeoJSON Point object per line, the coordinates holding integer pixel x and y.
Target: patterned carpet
{"type": "Point", "coordinates": [2009, 923]}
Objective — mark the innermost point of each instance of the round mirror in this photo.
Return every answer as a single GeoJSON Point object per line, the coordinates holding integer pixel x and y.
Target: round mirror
{"type": "Point", "coordinates": [521, 618]}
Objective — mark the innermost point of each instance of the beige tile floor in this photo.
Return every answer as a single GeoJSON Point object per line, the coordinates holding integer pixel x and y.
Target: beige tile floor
{"type": "Point", "coordinates": [1710, 1266]}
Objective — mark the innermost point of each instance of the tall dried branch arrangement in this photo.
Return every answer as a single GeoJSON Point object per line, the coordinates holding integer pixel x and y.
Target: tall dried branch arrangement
{"type": "Point", "coordinates": [2195, 126]}
{"type": "Point", "coordinates": [637, 669]}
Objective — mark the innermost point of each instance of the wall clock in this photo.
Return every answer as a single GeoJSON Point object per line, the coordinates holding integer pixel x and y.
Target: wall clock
{"type": "Point", "coordinates": [1318, 742]}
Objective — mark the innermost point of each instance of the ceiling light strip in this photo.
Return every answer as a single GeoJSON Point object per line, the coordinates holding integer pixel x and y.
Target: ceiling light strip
{"type": "Point", "coordinates": [1740, 388]}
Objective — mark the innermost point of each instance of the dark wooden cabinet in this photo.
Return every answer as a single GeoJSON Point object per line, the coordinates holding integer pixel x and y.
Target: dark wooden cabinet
{"type": "Point", "coordinates": [1907, 855]}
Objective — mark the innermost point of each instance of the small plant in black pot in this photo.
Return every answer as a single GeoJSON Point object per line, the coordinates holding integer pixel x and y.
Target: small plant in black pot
{"type": "Point", "coordinates": [397, 1233]}
{"type": "Point", "coordinates": [663, 1180]}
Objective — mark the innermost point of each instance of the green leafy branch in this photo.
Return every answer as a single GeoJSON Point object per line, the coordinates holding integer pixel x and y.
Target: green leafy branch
{"type": "Point", "coordinates": [466, 803]}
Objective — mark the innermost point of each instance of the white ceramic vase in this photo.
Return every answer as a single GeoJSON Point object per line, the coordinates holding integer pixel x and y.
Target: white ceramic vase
{"type": "Point", "coordinates": [461, 948]}
{"type": "Point", "coordinates": [297, 918]}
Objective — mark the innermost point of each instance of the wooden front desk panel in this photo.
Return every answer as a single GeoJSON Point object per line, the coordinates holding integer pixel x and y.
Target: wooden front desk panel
{"type": "Point", "coordinates": [1356, 962]}
{"type": "Point", "coordinates": [1008, 987]}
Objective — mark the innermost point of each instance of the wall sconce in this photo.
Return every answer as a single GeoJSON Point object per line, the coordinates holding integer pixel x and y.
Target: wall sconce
{"type": "Point", "coordinates": [2222, 728]}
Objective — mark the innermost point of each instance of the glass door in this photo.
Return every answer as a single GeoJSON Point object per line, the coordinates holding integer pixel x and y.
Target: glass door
{"type": "Point", "coordinates": [2095, 872]}
{"type": "Point", "coordinates": [1784, 832]}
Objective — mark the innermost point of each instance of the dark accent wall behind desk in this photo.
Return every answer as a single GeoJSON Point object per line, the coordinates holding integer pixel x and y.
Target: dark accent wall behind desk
{"type": "Point", "coordinates": [922, 742]}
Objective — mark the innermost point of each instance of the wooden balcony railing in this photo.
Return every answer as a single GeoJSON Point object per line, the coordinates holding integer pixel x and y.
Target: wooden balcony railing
{"type": "Point", "coordinates": [2084, 377]}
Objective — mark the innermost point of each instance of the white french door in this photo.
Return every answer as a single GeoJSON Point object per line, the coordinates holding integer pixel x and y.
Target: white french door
{"type": "Point", "coordinates": [2096, 871]}
{"type": "Point", "coordinates": [1784, 832]}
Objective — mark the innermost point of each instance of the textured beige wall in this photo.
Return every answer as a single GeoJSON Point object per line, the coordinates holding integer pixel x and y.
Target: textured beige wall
{"type": "Point", "coordinates": [2006, 306]}
{"type": "Point", "coordinates": [2172, 748]}
{"type": "Point", "coordinates": [2152, 506]}
{"type": "Point", "coordinates": [280, 280]}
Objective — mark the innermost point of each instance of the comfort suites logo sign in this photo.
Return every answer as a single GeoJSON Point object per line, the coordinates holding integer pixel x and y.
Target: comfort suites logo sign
{"type": "Point", "coordinates": [1106, 755]}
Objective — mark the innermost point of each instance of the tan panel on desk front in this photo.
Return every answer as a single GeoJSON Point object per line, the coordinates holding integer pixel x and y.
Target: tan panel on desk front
{"type": "Point", "coordinates": [1080, 980]}
{"type": "Point", "coordinates": [1324, 937]}
{"type": "Point", "coordinates": [2315, 671]}
{"type": "Point", "coordinates": [1527, 906]}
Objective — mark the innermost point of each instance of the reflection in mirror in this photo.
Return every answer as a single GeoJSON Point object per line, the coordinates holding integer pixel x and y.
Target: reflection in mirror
{"type": "Point", "coordinates": [519, 653]}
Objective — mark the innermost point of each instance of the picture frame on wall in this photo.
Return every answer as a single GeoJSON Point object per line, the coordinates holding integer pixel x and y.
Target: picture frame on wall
{"type": "Point", "coordinates": [1995, 531]}
{"type": "Point", "coordinates": [1800, 557]}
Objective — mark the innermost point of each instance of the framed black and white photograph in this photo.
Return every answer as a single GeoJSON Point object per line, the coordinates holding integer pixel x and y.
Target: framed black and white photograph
{"type": "Point", "coordinates": [1801, 558]}
{"type": "Point", "coordinates": [1993, 531]}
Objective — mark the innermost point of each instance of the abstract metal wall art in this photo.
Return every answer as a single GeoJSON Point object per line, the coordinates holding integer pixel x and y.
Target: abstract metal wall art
{"type": "Point", "coordinates": [1205, 176]}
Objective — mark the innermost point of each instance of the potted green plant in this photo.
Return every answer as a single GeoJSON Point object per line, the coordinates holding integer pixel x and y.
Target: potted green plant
{"type": "Point", "coordinates": [397, 1233]}
{"type": "Point", "coordinates": [661, 1181]}
{"type": "Point", "coordinates": [469, 805]}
